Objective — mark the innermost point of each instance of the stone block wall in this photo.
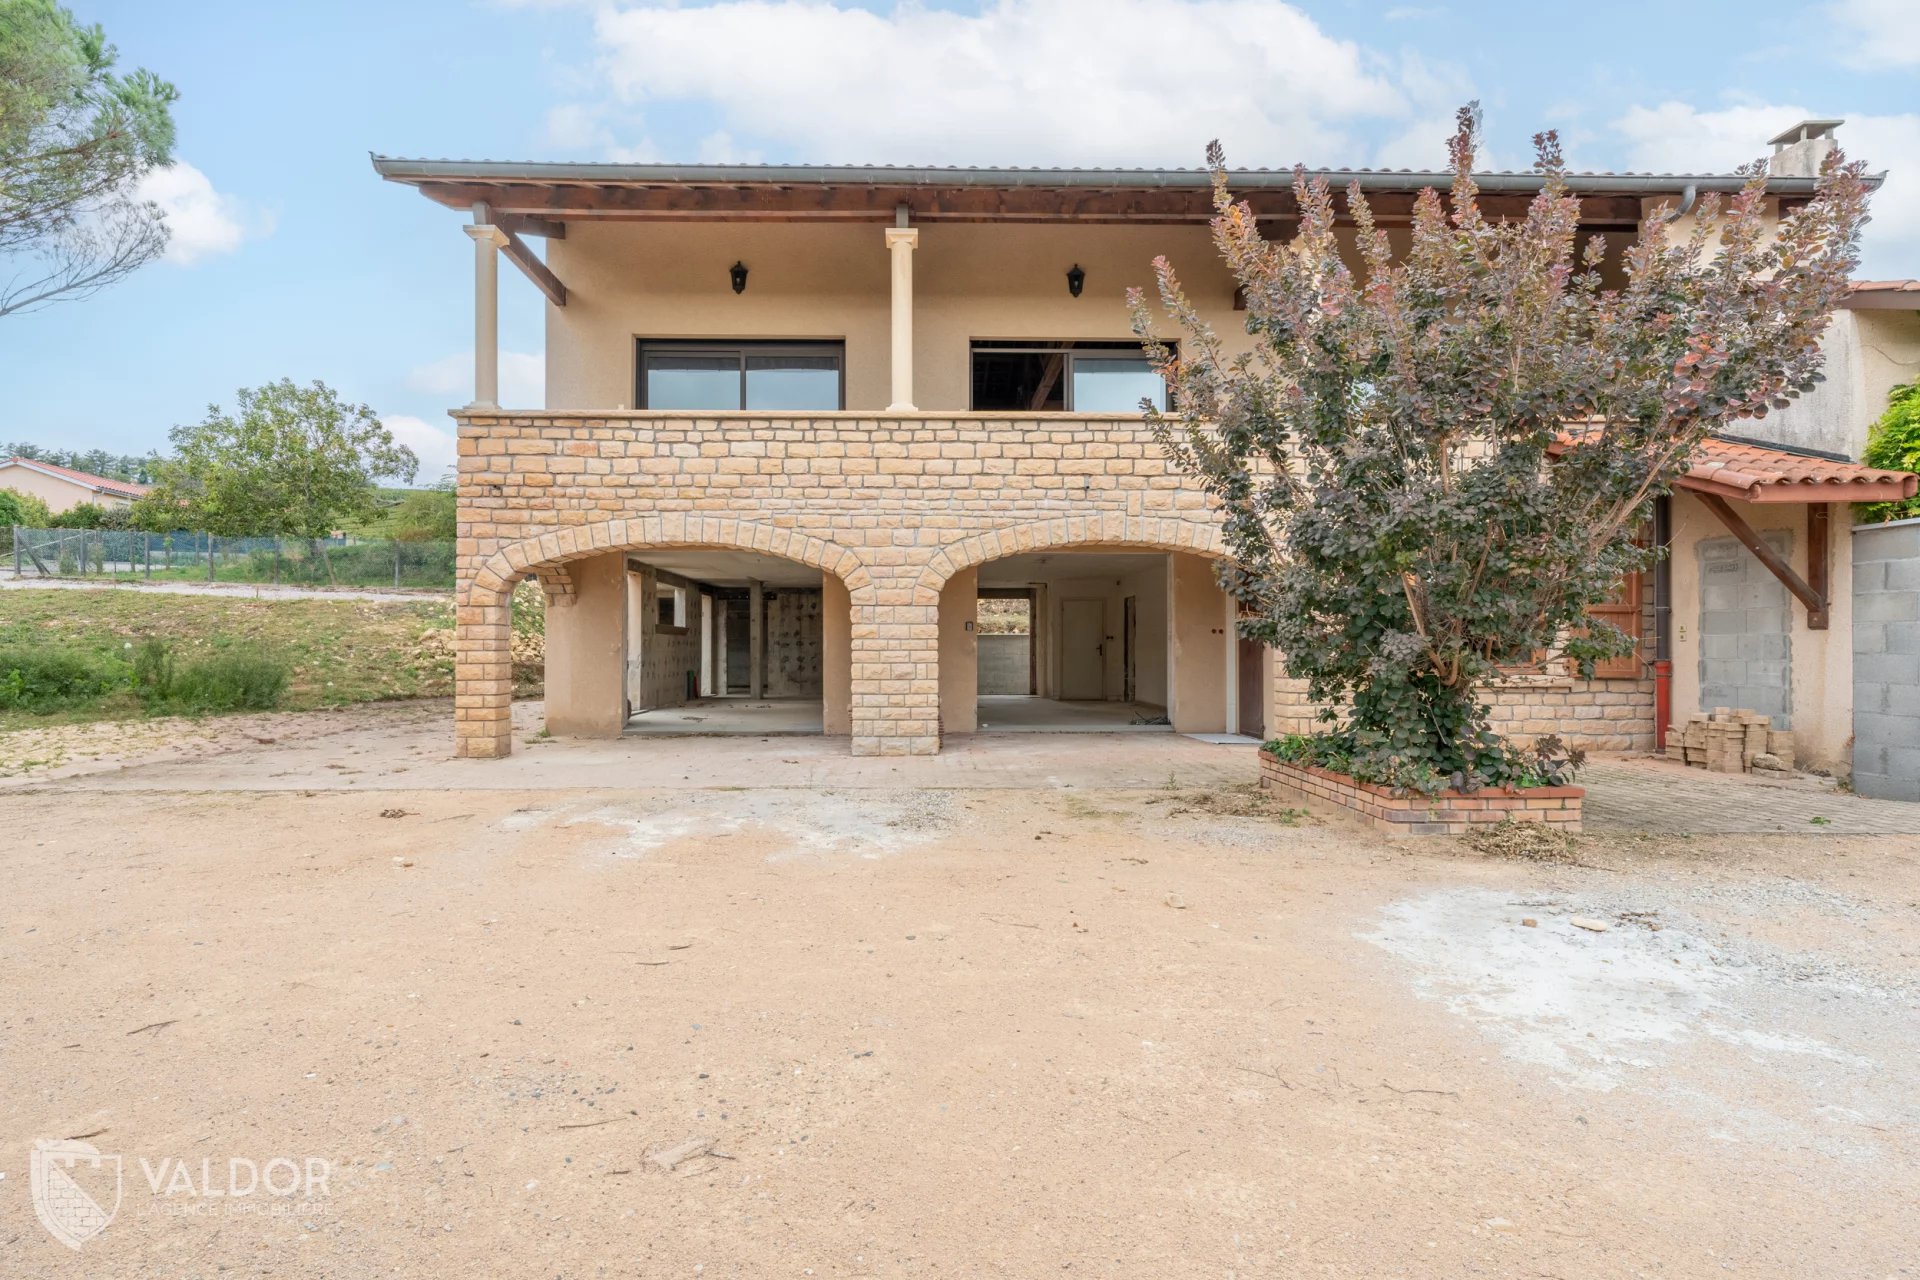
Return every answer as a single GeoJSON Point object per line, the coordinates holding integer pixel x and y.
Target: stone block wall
{"type": "Point", "coordinates": [1597, 715]}
{"type": "Point", "coordinates": [1886, 660]}
{"type": "Point", "coordinates": [889, 506]}
{"type": "Point", "coordinates": [892, 506]}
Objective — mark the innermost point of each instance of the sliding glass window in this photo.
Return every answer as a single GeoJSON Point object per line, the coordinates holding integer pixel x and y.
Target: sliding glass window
{"type": "Point", "coordinates": [1063, 377]}
{"type": "Point", "coordinates": [778, 377]}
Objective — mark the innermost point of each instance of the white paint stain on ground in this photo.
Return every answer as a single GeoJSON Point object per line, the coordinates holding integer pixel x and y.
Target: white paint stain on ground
{"type": "Point", "coordinates": [1592, 1008]}
{"type": "Point", "coordinates": [804, 823]}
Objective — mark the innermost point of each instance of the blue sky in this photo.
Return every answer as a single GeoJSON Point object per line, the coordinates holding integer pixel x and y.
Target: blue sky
{"type": "Point", "coordinates": [291, 259]}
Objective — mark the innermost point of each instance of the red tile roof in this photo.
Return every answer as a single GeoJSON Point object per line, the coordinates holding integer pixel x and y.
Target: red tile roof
{"type": "Point", "coordinates": [100, 484]}
{"type": "Point", "coordinates": [1883, 295]}
{"type": "Point", "coordinates": [1755, 473]}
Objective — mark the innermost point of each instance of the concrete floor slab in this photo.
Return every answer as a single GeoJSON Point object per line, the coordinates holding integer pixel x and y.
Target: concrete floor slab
{"type": "Point", "coordinates": [1015, 713]}
{"type": "Point", "coordinates": [763, 717]}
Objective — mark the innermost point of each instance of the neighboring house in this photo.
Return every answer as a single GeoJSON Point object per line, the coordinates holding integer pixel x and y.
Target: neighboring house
{"type": "Point", "coordinates": [63, 488]}
{"type": "Point", "coordinates": [801, 420]}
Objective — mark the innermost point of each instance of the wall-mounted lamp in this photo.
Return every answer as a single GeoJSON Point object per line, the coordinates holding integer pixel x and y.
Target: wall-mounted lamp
{"type": "Point", "coordinates": [739, 273]}
{"type": "Point", "coordinates": [1076, 279]}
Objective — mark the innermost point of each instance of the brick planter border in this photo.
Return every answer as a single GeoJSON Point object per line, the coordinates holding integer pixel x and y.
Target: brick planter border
{"type": "Point", "coordinates": [1449, 813]}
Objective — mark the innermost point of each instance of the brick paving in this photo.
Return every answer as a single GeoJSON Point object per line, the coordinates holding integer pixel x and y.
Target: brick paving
{"type": "Point", "coordinates": [1668, 799]}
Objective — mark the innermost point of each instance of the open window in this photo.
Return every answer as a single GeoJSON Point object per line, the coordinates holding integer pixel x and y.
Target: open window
{"type": "Point", "coordinates": [1063, 377]}
{"type": "Point", "coordinates": [778, 377]}
{"type": "Point", "coordinates": [671, 607]}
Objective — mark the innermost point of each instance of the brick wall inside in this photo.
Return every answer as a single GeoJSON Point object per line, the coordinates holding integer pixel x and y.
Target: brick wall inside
{"type": "Point", "coordinates": [1598, 715]}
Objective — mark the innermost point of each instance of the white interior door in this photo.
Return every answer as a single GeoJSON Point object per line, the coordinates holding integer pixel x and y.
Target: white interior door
{"type": "Point", "coordinates": [1083, 667]}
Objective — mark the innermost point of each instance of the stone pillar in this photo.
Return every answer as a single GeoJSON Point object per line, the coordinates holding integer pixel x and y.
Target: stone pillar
{"type": "Point", "coordinates": [756, 638]}
{"type": "Point", "coordinates": [836, 657]}
{"type": "Point", "coordinates": [960, 653]}
{"type": "Point", "coordinates": [483, 676]}
{"type": "Point", "coordinates": [900, 243]}
{"type": "Point", "coordinates": [587, 652]}
{"type": "Point", "coordinates": [486, 315]}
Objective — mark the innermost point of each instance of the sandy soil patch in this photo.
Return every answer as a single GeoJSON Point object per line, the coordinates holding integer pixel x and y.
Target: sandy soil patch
{"type": "Point", "coordinates": [908, 1030]}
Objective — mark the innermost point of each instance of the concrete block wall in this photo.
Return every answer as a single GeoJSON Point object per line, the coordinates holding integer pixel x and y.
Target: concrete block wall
{"type": "Point", "coordinates": [1886, 660]}
{"type": "Point", "coordinates": [1006, 663]}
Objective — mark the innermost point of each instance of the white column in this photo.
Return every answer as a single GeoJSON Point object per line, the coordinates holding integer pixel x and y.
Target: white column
{"type": "Point", "coordinates": [900, 243]}
{"type": "Point", "coordinates": [486, 315]}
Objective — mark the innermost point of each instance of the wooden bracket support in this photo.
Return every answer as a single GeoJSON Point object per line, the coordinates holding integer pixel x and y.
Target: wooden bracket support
{"type": "Point", "coordinates": [521, 256]}
{"type": "Point", "coordinates": [1812, 595]}
{"type": "Point", "coordinates": [535, 270]}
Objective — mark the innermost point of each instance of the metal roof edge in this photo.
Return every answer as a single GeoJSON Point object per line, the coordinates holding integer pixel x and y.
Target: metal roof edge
{"type": "Point", "coordinates": [416, 171]}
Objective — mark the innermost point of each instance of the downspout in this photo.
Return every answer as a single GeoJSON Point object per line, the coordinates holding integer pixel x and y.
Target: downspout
{"type": "Point", "coordinates": [1662, 622]}
{"type": "Point", "coordinates": [1663, 568]}
{"type": "Point", "coordinates": [1688, 194]}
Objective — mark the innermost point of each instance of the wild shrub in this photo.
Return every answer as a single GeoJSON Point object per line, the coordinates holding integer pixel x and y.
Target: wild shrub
{"type": "Point", "coordinates": [43, 680]}
{"type": "Point", "coordinates": [235, 680]}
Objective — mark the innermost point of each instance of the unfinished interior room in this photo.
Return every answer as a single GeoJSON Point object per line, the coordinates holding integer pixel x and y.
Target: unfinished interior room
{"type": "Point", "coordinates": [1096, 641]}
{"type": "Point", "coordinates": [711, 642]}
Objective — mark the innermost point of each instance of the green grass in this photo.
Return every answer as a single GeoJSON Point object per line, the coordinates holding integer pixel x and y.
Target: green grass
{"type": "Point", "coordinates": [335, 652]}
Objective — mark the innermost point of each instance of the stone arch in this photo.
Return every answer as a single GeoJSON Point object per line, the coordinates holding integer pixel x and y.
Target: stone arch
{"type": "Point", "coordinates": [1109, 529]}
{"type": "Point", "coordinates": [483, 674]}
{"type": "Point", "coordinates": [546, 554]}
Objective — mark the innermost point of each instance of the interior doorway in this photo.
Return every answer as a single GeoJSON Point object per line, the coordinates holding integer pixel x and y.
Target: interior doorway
{"type": "Point", "coordinates": [1083, 647]}
{"type": "Point", "coordinates": [722, 642]}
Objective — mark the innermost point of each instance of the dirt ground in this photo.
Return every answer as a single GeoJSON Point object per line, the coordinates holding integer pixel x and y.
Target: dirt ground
{"type": "Point", "coordinates": [1077, 1023]}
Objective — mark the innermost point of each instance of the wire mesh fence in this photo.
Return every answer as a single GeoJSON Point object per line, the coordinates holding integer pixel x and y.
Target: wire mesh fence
{"type": "Point", "coordinates": [133, 556]}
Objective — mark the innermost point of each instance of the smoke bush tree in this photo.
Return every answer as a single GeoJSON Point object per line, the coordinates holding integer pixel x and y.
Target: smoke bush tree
{"type": "Point", "coordinates": [1430, 464]}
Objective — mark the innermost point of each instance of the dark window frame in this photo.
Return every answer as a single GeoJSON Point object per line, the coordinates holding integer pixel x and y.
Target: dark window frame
{"type": "Point", "coordinates": [1068, 348]}
{"type": "Point", "coordinates": [742, 348]}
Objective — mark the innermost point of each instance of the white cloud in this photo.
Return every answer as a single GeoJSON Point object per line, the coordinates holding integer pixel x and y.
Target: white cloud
{"type": "Point", "coordinates": [1884, 33]}
{"type": "Point", "coordinates": [1068, 82]}
{"type": "Point", "coordinates": [203, 222]}
{"type": "Point", "coordinates": [436, 447]}
{"type": "Point", "coordinates": [523, 378]}
{"type": "Point", "coordinates": [1677, 137]}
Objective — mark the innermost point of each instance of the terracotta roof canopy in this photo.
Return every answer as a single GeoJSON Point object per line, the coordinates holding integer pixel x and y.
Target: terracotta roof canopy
{"type": "Point", "coordinates": [1755, 473]}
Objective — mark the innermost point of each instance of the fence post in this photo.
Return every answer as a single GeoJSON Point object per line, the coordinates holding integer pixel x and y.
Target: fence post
{"type": "Point", "coordinates": [146, 555]}
{"type": "Point", "coordinates": [277, 544]}
{"type": "Point", "coordinates": [396, 564]}
{"type": "Point", "coordinates": [210, 542]}
{"type": "Point", "coordinates": [16, 551]}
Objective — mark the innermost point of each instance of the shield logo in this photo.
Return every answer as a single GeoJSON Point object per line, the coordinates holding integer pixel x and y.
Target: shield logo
{"type": "Point", "coordinates": [76, 1190]}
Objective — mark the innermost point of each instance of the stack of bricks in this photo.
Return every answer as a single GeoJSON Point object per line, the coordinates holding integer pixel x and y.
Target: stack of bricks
{"type": "Point", "coordinates": [1731, 741]}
